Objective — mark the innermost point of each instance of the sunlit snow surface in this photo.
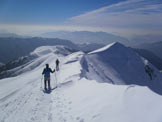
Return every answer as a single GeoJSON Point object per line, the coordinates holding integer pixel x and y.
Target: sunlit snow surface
{"type": "Point", "coordinates": [86, 89]}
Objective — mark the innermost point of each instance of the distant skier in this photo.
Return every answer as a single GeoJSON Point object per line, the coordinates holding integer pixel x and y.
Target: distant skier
{"type": "Point", "coordinates": [46, 72]}
{"type": "Point", "coordinates": [57, 65]}
{"type": "Point", "coordinates": [149, 71]}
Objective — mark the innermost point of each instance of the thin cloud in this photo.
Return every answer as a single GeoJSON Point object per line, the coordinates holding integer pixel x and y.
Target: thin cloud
{"type": "Point", "coordinates": [131, 14]}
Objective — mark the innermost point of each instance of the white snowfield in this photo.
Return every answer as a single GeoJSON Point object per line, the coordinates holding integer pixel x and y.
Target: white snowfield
{"type": "Point", "coordinates": [106, 85]}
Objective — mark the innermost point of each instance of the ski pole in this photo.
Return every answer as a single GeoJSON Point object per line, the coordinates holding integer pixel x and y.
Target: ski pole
{"type": "Point", "coordinates": [56, 79]}
{"type": "Point", "coordinates": [41, 81]}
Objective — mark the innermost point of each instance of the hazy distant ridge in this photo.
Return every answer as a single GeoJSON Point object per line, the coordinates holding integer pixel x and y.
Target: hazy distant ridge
{"type": "Point", "coordinates": [87, 37]}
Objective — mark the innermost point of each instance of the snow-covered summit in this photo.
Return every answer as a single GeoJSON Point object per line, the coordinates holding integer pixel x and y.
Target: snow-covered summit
{"type": "Point", "coordinates": [103, 49]}
{"type": "Point", "coordinates": [44, 50]}
{"type": "Point", "coordinates": [114, 48]}
{"type": "Point", "coordinates": [118, 64]}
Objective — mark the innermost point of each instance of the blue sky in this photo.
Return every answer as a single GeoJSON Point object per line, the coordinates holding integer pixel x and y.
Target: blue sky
{"type": "Point", "coordinates": [46, 11]}
{"type": "Point", "coordinates": [121, 17]}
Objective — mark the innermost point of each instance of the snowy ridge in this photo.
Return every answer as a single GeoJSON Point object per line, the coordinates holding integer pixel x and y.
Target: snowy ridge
{"type": "Point", "coordinates": [35, 58]}
{"type": "Point", "coordinates": [118, 64]}
{"type": "Point", "coordinates": [126, 65]}
{"type": "Point", "coordinates": [80, 95]}
{"type": "Point", "coordinates": [104, 48]}
{"type": "Point", "coordinates": [46, 50]}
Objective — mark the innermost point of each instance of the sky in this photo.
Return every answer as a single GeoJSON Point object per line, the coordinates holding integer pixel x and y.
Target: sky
{"type": "Point", "coordinates": [120, 17]}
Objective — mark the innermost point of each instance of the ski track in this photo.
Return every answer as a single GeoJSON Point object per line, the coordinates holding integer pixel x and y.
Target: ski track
{"type": "Point", "coordinates": [21, 105]}
{"type": "Point", "coordinates": [43, 107]}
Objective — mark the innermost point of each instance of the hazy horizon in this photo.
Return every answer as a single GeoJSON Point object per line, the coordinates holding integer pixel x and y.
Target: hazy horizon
{"type": "Point", "coordinates": [126, 18]}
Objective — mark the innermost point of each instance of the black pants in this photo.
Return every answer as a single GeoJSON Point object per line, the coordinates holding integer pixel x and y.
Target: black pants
{"type": "Point", "coordinates": [45, 83]}
{"type": "Point", "coordinates": [150, 76]}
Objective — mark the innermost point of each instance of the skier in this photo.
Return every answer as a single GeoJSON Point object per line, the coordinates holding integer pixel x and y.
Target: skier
{"type": "Point", "coordinates": [57, 65]}
{"type": "Point", "coordinates": [149, 71]}
{"type": "Point", "coordinates": [46, 72]}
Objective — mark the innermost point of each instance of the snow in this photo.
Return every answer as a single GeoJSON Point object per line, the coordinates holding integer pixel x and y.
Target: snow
{"type": "Point", "coordinates": [91, 88]}
{"type": "Point", "coordinates": [118, 64]}
{"type": "Point", "coordinates": [104, 48]}
{"type": "Point", "coordinates": [46, 50]}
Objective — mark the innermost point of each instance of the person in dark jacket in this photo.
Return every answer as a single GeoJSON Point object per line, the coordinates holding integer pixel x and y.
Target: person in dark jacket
{"type": "Point", "coordinates": [149, 71]}
{"type": "Point", "coordinates": [46, 72]}
{"type": "Point", "coordinates": [57, 65]}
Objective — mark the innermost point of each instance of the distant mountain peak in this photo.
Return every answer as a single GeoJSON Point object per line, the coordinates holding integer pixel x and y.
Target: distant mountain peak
{"type": "Point", "coordinates": [125, 64]}
{"type": "Point", "coordinates": [82, 37]}
{"type": "Point", "coordinates": [44, 50]}
{"type": "Point", "coordinates": [114, 45]}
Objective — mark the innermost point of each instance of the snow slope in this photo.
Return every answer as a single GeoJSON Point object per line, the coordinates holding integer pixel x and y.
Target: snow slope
{"type": "Point", "coordinates": [33, 60]}
{"type": "Point", "coordinates": [83, 94]}
{"type": "Point", "coordinates": [118, 64]}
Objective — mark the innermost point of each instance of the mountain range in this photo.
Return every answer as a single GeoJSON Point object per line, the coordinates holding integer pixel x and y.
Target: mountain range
{"type": "Point", "coordinates": [81, 37]}
{"type": "Point", "coordinates": [109, 84]}
{"type": "Point", "coordinates": [12, 48]}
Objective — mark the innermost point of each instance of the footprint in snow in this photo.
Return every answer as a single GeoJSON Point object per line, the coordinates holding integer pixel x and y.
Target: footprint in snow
{"type": "Point", "coordinates": [81, 120]}
{"type": "Point", "coordinates": [77, 118]}
{"type": "Point", "coordinates": [70, 102]}
{"type": "Point", "coordinates": [65, 112]}
{"type": "Point", "coordinates": [50, 117]}
{"type": "Point", "coordinates": [94, 116]}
